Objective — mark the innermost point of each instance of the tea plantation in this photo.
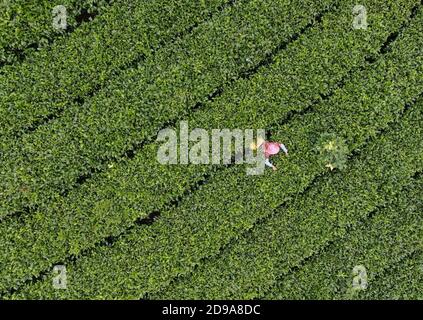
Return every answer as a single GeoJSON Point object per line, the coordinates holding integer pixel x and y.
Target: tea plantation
{"type": "Point", "coordinates": [87, 211]}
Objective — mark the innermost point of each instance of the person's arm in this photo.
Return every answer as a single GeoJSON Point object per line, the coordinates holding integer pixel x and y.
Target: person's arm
{"type": "Point", "coordinates": [284, 149]}
{"type": "Point", "coordinates": [269, 164]}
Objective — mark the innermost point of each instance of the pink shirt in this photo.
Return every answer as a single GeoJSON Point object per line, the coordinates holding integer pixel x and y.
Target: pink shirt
{"type": "Point", "coordinates": [271, 148]}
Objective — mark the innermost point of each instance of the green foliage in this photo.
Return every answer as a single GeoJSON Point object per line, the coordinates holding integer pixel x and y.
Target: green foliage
{"type": "Point", "coordinates": [72, 69]}
{"type": "Point", "coordinates": [53, 158]}
{"type": "Point", "coordinates": [393, 232]}
{"type": "Point", "coordinates": [293, 237]}
{"type": "Point", "coordinates": [27, 25]}
{"type": "Point", "coordinates": [142, 185]}
{"type": "Point", "coordinates": [148, 258]}
{"type": "Point", "coordinates": [402, 280]}
{"type": "Point", "coordinates": [274, 66]}
{"type": "Point", "coordinates": [332, 150]}
{"type": "Point", "coordinates": [136, 104]}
